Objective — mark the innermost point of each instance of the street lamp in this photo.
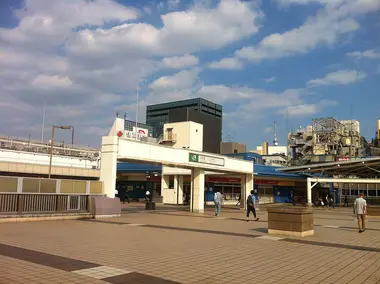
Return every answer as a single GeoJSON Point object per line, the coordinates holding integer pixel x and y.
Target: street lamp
{"type": "Point", "coordinates": [65, 127]}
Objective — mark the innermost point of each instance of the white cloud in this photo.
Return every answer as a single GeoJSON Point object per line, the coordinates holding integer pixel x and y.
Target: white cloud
{"type": "Point", "coordinates": [304, 2]}
{"type": "Point", "coordinates": [307, 109]}
{"type": "Point", "coordinates": [316, 31]}
{"type": "Point", "coordinates": [300, 110]}
{"type": "Point", "coordinates": [182, 32]}
{"type": "Point", "coordinates": [46, 81]}
{"type": "Point", "coordinates": [253, 98]}
{"type": "Point", "coordinates": [372, 54]}
{"type": "Point", "coordinates": [50, 22]}
{"type": "Point", "coordinates": [326, 28]}
{"type": "Point", "coordinates": [269, 80]}
{"type": "Point", "coordinates": [341, 77]}
{"type": "Point", "coordinates": [179, 62]}
{"type": "Point", "coordinates": [181, 80]}
{"type": "Point", "coordinates": [227, 64]}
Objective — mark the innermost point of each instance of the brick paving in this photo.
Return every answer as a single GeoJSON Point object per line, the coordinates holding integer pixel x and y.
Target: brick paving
{"type": "Point", "coordinates": [171, 245]}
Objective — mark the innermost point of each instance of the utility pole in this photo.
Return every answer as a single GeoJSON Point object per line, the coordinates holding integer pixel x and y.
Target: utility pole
{"type": "Point", "coordinates": [137, 109]}
{"type": "Point", "coordinates": [275, 139]}
{"type": "Point", "coordinates": [43, 124]}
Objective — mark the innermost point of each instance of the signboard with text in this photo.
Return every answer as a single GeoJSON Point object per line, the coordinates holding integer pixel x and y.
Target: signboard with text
{"type": "Point", "coordinates": [141, 131]}
{"type": "Point", "coordinates": [203, 159]}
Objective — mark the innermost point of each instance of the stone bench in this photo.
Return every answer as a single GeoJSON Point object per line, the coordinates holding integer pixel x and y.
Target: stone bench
{"type": "Point", "coordinates": [373, 210]}
{"type": "Point", "coordinates": [298, 222]}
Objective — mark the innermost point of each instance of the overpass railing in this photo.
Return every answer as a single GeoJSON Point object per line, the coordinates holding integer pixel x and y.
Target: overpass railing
{"type": "Point", "coordinates": [25, 196]}
{"type": "Point", "coordinates": [62, 149]}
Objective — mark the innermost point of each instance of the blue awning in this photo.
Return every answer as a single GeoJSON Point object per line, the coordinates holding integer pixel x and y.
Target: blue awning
{"type": "Point", "coordinates": [260, 170]}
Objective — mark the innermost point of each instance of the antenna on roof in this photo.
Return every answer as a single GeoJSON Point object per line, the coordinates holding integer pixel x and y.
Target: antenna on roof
{"type": "Point", "coordinates": [275, 140]}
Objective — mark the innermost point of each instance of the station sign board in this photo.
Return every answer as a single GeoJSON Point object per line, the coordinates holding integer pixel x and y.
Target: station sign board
{"type": "Point", "coordinates": [203, 159]}
{"type": "Point", "coordinates": [133, 135]}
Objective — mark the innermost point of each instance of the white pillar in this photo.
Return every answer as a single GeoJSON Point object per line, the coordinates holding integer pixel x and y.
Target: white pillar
{"type": "Point", "coordinates": [179, 189]}
{"type": "Point", "coordinates": [165, 191]}
{"type": "Point", "coordinates": [20, 181]}
{"type": "Point", "coordinates": [308, 191]}
{"type": "Point", "coordinates": [246, 187]}
{"type": "Point", "coordinates": [197, 196]}
{"type": "Point", "coordinates": [108, 165]}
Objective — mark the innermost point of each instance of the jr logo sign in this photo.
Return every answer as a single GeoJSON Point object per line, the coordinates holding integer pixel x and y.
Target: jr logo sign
{"type": "Point", "coordinates": [193, 158]}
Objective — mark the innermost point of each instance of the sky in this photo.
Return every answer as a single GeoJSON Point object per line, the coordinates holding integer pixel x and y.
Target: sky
{"type": "Point", "coordinates": [287, 61]}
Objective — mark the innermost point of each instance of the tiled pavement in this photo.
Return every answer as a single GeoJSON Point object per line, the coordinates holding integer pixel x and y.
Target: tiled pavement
{"type": "Point", "coordinates": [172, 246]}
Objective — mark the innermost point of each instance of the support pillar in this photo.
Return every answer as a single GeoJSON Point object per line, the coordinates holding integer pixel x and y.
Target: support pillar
{"type": "Point", "coordinates": [109, 165]}
{"type": "Point", "coordinates": [165, 191]}
{"type": "Point", "coordinates": [197, 195]}
{"type": "Point", "coordinates": [308, 193]}
{"type": "Point", "coordinates": [178, 185]}
{"type": "Point", "coordinates": [246, 187]}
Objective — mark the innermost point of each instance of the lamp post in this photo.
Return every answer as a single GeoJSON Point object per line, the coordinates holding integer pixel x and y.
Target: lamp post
{"type": "Point", "coordinates": [52, 141]}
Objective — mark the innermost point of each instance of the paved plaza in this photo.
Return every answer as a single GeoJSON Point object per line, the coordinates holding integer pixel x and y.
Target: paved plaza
{"type": "Point", "coordinates": [171, 245]}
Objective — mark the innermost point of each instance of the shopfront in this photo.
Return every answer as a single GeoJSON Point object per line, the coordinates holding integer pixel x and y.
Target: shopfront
{"type": "Point", "coordinates": [266, 190]}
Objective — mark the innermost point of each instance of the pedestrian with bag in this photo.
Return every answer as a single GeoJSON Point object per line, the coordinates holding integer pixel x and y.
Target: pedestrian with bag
{"type": "Point", "coordinates": [251, 205]}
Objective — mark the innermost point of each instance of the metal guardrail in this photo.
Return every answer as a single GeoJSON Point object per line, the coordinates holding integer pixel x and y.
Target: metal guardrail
{"type": "Point", "coordinates": [24, 204]}
{"type": "Point", "coordinates": [33, 146]}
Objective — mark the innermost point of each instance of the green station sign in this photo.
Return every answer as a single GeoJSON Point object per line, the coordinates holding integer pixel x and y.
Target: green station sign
{"type": "Point", "coordinates": [203, 159]}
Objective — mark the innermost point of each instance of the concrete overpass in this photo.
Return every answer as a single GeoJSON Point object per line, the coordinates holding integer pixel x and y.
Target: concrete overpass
{"type": "Point", "coordinates": [25, 158]}
{"type": "Point", "coordinates": [115, 148]}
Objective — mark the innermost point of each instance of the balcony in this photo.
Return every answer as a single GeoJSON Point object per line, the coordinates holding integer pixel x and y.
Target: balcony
{"type": "Point", "coordinates": [168, 138]}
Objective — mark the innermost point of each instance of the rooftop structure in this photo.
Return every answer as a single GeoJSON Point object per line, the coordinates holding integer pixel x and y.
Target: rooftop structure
{"type": "Point", "coordinates": [325, 140]}
{"type": "Point", "coordinates": [157, 115]}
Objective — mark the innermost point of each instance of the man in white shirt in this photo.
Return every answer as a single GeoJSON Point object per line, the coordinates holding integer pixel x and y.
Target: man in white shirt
{"type": "Point", "coordinates": [218, 200]}
{"type": "Point", "coordinates": [360, 209]}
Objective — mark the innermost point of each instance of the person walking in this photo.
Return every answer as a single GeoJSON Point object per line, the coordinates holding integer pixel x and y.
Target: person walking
{"type": "Point", "coordinates": [127, 197]}
{"type": "Point", "coordinates": [345, 202]}
{"type": "Point", "coordinates": [238, 203]}
{"type": "Point", "coordinates": [332, 203]}
{"type": "Point", "coordinates": [326, 201]}
{"type": "Point", "coordinates": [360, 209]}
{"type": "Point", "coordinates": [251, 205]}
{"type": "Point", "coordinates": [218, 201]}
{"type": "Point", "coordinates": [122, 195]}
{"type": "Point", "coordinates": [147, 196]}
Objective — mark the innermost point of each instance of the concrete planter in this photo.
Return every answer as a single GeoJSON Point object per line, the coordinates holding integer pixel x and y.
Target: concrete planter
{"type": "Point", "coordinates": [373, 211]}
{"type": "Point", "coordinates": [297, 222]}
{"type": "Point", "coordinates": [103, 207]}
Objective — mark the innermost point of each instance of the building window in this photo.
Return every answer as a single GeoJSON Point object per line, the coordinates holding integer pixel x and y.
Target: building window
{"type": "Point", "coordinates": [235, 151]}
{"type": "Point", "coordinates": [171, 182]}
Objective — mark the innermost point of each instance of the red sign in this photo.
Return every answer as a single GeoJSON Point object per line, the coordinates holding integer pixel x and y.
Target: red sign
{"type": "Point", "coordinates": [224, 179]}
{"type": "Point", "coordinates": [141, 131]}
{"type": "Point", "coordinates": [238, 180]}
{"type": "Point", "coordinates": [120, 133]}
{"type": "Point", "coordinates": [263, 181]}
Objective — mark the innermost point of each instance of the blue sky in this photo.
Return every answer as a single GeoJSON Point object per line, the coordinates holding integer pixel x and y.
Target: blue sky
{"type": "Point", "coordinates": [275, 60]}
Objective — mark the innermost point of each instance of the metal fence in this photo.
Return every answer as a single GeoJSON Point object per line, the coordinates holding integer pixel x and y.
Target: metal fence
{"type": "Point", "coordinates": [25, 204]}
{"type": "Point", "coordinates": [25, 196]}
